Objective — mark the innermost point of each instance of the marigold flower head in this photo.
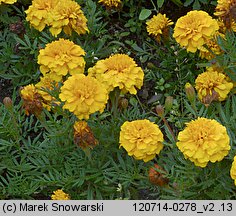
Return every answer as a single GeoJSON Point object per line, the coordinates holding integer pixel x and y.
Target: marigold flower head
{"type": "Point", "coordinates": [194, 29]}
{"type": "Point", "coordinates": [60, 195]}
{"type": "Point", "coordinates": [32, 100]}
{"type": "Point", "coordinates": [39, 13]}
{"type": "Point", "coordinates": [68, 16]}
{"type": "Point", "coordinates": [111, 3]}
{"type": "Point", "coordinates": [233, 170]}
{"type": "Point", "coordinates": [158, 26]}
{"type": "Point", "coordinates": [83, 135]}
{"type": "Point", "coordinates": [61, 57]}
{"type": "Point", "coordinates": [204, 140]}
{"type": "Point", "coordinates": [156, 177]}
{"type": "Point", "coordinates": [226, 10]}
{"type": "Point", "coordinates": [44, 85]}
{"type": "Point", "coordinates": [83, 95]}
{"type": "Point", "coordinates": [8, 1]}
{"type": "Point", "coordinates": [119, 70]}
{"type": "Point", "coordinates": [212, 85]}
{"type": "Point", "coordinates": [142, 139]}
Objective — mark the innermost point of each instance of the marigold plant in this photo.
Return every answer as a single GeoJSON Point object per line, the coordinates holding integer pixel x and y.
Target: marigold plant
{"type": "Point", "coordinates": [194, 29]}
{"type": "Point", "coordinates": [83, 95]}
{"type": "Point", "coordinates": [119, 70]}
{"type": "Point", "coordinates": [8, 1]}
{"type": "Point", "coordinates": [212, 85]}
{"type": "Point", "coordinates": [233, 170]}
{"type": "Point", "coordinates": [68, 16]}
{"type": "Point", "coordinates": [39, 13]}
{"type": "Point", "coordinates": [204, 140]}
{"type": "Point", "coordinates": [142, 139]}
{"type": "Point", "coordinates": [60, 195]}
{"type": "Point", "coordinates": [158, 26]}
{"type": "Point", "coordinates": [61, 57]}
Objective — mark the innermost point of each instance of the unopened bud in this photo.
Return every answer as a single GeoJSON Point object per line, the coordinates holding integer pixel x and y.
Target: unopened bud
{"type": "Point", "coordinates": [168, 103]}
{"type": "Point", "coordinates": [160, 111]}
{"type": "Point", "coordinates": [7, 102]}
{"type": "Point", "coordinates": [124, 103]}
{"type": "Point", "coordinates": [190, 92]}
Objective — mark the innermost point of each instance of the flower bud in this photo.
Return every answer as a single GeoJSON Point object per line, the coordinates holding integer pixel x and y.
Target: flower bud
{"type": "Point", "coordinates": [190, 92]}
{"type": "Point", "coordinates": [168, 103]}
{"type": "Point", "coordinates": [7, 102]}
{"type": "Point", "coordinates": [160, 111]}
{"type": "Point", "coordinates": [123, 103]}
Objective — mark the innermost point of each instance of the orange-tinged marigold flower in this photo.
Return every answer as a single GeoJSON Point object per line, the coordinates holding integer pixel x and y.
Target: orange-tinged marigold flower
{"type": "Point", "coordinates": [158, 26]}
{"type": "Point", "coordinates": [60, 195]}
{"type": "Point", "coordinates": [204, 140]}
{"type": "Point", "coordinates": [194, 29]}
{"type": "Point", "coordinates": [83, 95]}
{"type": "Point", "coordinates": [119, 70]}
{"type": "Point", "coordinates": [156, 177]}
{"type": "Point", "coordinates": [233, 170]}
{"type": "Point", "coordinates": [7, 1]}
{"type": "Point", "coordinates": [39, 13]}
{"type": "Point", "coordinates": [68, 16]}
{"type": "Point", "coordinates": [111, 3]}
{"type": "Point", "coordinates": [226, 10]}
{"type": "Point", "coordinates": [142, 139]}
{"type": "Point", "coordinates": [83, 135]}
{"type": "Point", "coordinates": [212, 85]}
{"type": "Point", "coordinates": [61, 57]}
{"type": "Point", "coordinates": [32, 100]}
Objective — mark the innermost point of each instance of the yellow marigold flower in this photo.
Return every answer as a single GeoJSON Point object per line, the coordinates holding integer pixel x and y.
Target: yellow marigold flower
{"type": "Point", "coordinates": [233, 170]}
{"type": "Point", "coordinates": [39, 13]}
{"type": "Point", "coordinates": [194, 29]}
{"type": "Point", "coordinates": [8, 1]}
{"type": "Point", "coordinates": [118, 70]}
{"type": "Point", "coordinates": [32, 100]}
{"type": "Point", "coordinates": [226, 10]}
{"type": "Point", "coordinates": [44, 85]}
{"type": "Point", "coordinates": [83, 135]}
{"type": "Point", "coordinates": [83, 95]}
{"type": "Point", "coordinates": [60, 195]}
{"type": "Point", "coordinates": [204, 140]}
{"type": "Point", "coordinates": [212, 85]}
{"type": "Point", "coordinates": [61, 57]}
{"type": "Point", "coordinates": [111, 3]}
{"type": "Point", "coordinates": [158, 26]}
{"type": "Point", "coordinates": [67, 16]}
{"type": "Point", "coordinates": [142, 139]}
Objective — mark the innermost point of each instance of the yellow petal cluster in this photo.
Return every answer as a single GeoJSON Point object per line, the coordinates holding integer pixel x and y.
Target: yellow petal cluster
{"type": "Point", "coordinates": [83, 95]}
{"type": "Point", "coordinates": [61, 57]}
{"type": "Point", "coordinates": [194, 29]}
{"type": "Point", "coordinates": [39, 13]}
{"type": "Point", "coordinates": [119, 70]}
{"type": "Point", "coordinates": [67, 16]}
{"type": "Point", "coordinates": [32, 100]}
{"type": "Point", "coordinates": [60, 195]}
{"type": "Point", "coordinates": [158, 26]}
{"type": "Point", "coordinates": [110, 3]}
{"type": "Point", "coordinates": [224, 7]}
{"type": "Point", "coordinates": [59, 15]}
{"type": "Point", "coordinates": [204, 140]}
{"type": "Point", "coordinates": [8, 1]}
{"type": "Point", "coordinates": [233, 170]}
{"type": "Point", "coordinates": [83, 135]}
{"type": "Point", "coordinates": [142, 139]}
{"type": "Point", "coordinates": [212, 83]}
